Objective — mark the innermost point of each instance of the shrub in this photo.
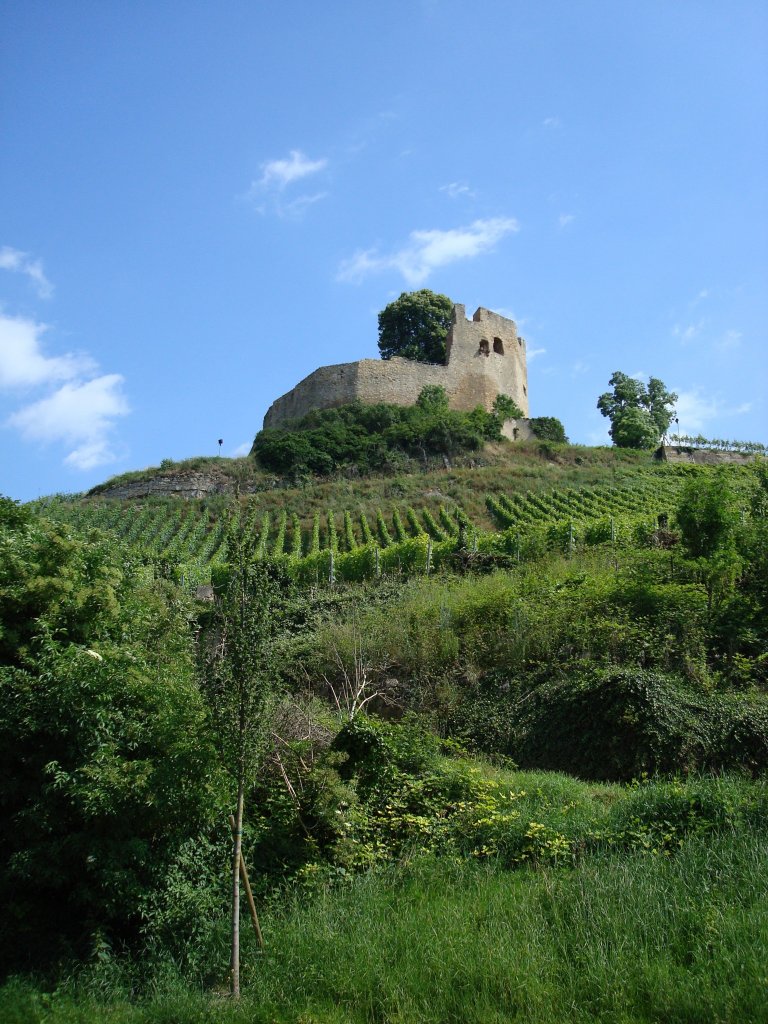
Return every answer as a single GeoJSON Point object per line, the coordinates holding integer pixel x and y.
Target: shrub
{"type": "Point", "coordinates": [548, 428]}
{"type": "Point", "coordinates": [617, 725]}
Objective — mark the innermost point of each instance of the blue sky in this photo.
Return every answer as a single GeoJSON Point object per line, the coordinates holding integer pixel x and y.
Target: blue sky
{"type": "Point", "coordinates": [200, 203]}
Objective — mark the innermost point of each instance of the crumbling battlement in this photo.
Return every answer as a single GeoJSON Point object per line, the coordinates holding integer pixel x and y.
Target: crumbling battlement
{"type": "Point", "coordinates": [485, 357]}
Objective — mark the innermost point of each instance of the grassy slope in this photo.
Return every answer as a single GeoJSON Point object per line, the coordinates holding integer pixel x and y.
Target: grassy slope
{"type": "Point", "coordinates": [500, 468]}
{"type": "Point", "coordinates": [619, 937]}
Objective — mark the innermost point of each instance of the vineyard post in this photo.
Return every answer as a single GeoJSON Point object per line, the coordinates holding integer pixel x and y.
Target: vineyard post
{"type": "Point", "coordinates": [429, 556]}
{"type": "Point", "coordinates": [570, 537]}
{"type": "Point", "coordinates": [378, 562]}
{"type": "Point", "coordinates": [613, 530]}
{"type": "Point", "coordinates": [330, 569]}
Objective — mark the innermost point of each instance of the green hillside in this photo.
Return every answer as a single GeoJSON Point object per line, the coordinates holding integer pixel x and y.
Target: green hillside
{"type": "Point", "coordinates": [508, 734]}
{"type": "Point", "coordinates": [519, 504]}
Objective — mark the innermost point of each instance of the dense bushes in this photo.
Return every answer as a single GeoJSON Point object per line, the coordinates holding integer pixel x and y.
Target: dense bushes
{"type": "Point", "coordinates": [105, 764]}
{"type": "Point", "coordinates": [620, 725]}
{"type": "Point", "coordinates": [374, 437]}
{"type": "Point", "coordinates": [548, 428]}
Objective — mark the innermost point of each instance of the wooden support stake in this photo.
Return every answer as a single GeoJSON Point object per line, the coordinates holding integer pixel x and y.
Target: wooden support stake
{"type": "Point", "coordinates": [249, 894]}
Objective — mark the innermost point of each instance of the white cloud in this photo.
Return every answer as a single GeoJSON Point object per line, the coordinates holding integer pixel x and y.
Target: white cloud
{"type": "Point", "coordinates": [729, 341]}
{"type": "Point", "coordinates": [695, 410]}
{"type": "Point", "coordinates": [20, 262]}
{"type": "Point", "coordinates": [241, 450]}
{"type": "Point", "coordinates": [565, 219]}
{"type": "Point", "coordinates": [458, 188]}
{"type": "Point", "coordinates": [686, 333]}
{"type": "Point", "coordinates": [22, 361]}
{"type": "Point", "coordinates": [279, 173]}
{"type": "Point", "coordinates": [297, 206]}
{"type": "Point", "coordinates": [427, 250]}
{"type": "Point", "coordinates": [268, 192]}
{"type": "Point", "coordinates": [80, 414]}
{"type": "Point", "coordinates": [551, 122]}
{"type": "Point", "coordinates": [532, 353]}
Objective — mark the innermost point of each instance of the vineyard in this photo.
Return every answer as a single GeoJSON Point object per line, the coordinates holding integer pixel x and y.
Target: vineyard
{"type": "Point", "coordinates": [189, 538]}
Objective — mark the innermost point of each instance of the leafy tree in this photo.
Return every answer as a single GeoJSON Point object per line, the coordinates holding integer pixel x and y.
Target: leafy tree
{"type": "Point", "coordinates": [639, 415]}
{"type": "Point", "coordinates": [548, 428]}
{"type": "Point", "coordinates": [415, 326]}
{"type": "Point", "coordinates": [708, 517]}
{"type": "Point", "coordinates": [105, 765]}
{"type": "Point", "coordinates": [432, 398]}
{"type": "Point", "coordinates": [707, 514]}
{"type": "Point", "coordinates": [506, 408]}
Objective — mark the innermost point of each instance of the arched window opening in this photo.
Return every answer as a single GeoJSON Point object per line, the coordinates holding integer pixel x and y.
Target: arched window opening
{"type": "Point", "coordinates": [485, 348]}
{"type": "Point", "coordinates": [498, 346]}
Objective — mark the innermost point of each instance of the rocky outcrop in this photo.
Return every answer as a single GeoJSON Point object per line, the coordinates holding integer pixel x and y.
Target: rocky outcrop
{"type": "Point", "coordinates": [188, 485]}
{"type": "Point", "coordinates": [700, 456]}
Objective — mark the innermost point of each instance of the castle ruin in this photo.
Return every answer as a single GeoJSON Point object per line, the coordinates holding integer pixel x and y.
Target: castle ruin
{"type": "Point", "coordinates": [485, 357]}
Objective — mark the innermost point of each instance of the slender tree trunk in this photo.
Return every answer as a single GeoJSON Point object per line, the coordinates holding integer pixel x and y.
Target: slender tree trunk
{"type": "Point", "coordinates": [234, 972]}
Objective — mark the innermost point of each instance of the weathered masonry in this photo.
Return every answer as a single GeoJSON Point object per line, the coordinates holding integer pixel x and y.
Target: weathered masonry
{"type": "Point", "coordinates": [485, 357]}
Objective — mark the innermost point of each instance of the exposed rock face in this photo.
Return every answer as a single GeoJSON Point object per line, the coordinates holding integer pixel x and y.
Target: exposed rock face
{"type": "Point", "coordinates": [189, 485]}
{"type": "Point", "coordinates": [700, 456]}
{"type": "Point", "coordinates": [485, 357]}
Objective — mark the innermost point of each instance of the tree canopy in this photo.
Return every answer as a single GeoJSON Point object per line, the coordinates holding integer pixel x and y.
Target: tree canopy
{"type": "Point", "coordinates": [415, 326]}
{"type": "Point", "coordinates": [639, 415]}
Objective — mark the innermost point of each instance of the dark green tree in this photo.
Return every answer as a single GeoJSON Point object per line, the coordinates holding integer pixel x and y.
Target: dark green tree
{"type": "Point", "coordinates": [506, 408]}
{"type": "Point", "coordinates": [105, 764]}
{"type": "Point", "coordinates": [708, 517]}
{"type": "Point", "coordinates": [415, 326]}
{"type": "Point", "coordinates": [639, 415]}
{"type": "Point", "coordinates": [433, 399]}
{"type": "Point", "coordinates": [548, 428]}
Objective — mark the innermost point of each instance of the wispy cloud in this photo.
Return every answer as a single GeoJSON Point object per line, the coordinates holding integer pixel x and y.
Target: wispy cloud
{"type": "Point", "coordinates": [686, 333]}
{"type": "Point", "coordinates": [425, 251]}
{"type": "Point", "coordinates": [298, 206]}
{"type": "Point", "coordinates": [534, 353]}
{"type": "Point", "coordinates": [79, 411]}
{"type": "Point", "coordinates": [279, 173]}
{"type": "Point", "coordinates": [695, 410]}
{"type": "Point", "coordinates": [20, 262]}
{"type": "Point", "coordinates": [565, 219]}
{"type": "Point", "coordinates": [268, 193]}
{"type": "Point", "coordinates": [458, 188]}
{"type": "Point", "coordinates": [241, 450]}
{"type": "Point", "coordinates": [729, 341]}
{"type": "Point", "coordinates": [550, 122]}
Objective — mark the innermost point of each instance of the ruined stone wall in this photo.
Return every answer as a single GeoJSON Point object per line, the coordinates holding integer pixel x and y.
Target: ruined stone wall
{"type": "Point", "coordinates": [484, 358]}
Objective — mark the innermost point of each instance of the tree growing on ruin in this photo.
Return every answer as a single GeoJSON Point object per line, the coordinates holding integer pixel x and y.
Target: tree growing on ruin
{"type": "Point", "coordinates": [639, 415]}
{"type": "Point", "coordinates": [415, 326]}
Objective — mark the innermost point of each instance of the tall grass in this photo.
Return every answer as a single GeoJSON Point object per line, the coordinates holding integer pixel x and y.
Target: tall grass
{"type": "Point", "coordinates": [617, 939]}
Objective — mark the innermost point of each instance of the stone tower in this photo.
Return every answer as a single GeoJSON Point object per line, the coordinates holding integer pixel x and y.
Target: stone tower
{"type": "Point", "coordinates": [485, 357]}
